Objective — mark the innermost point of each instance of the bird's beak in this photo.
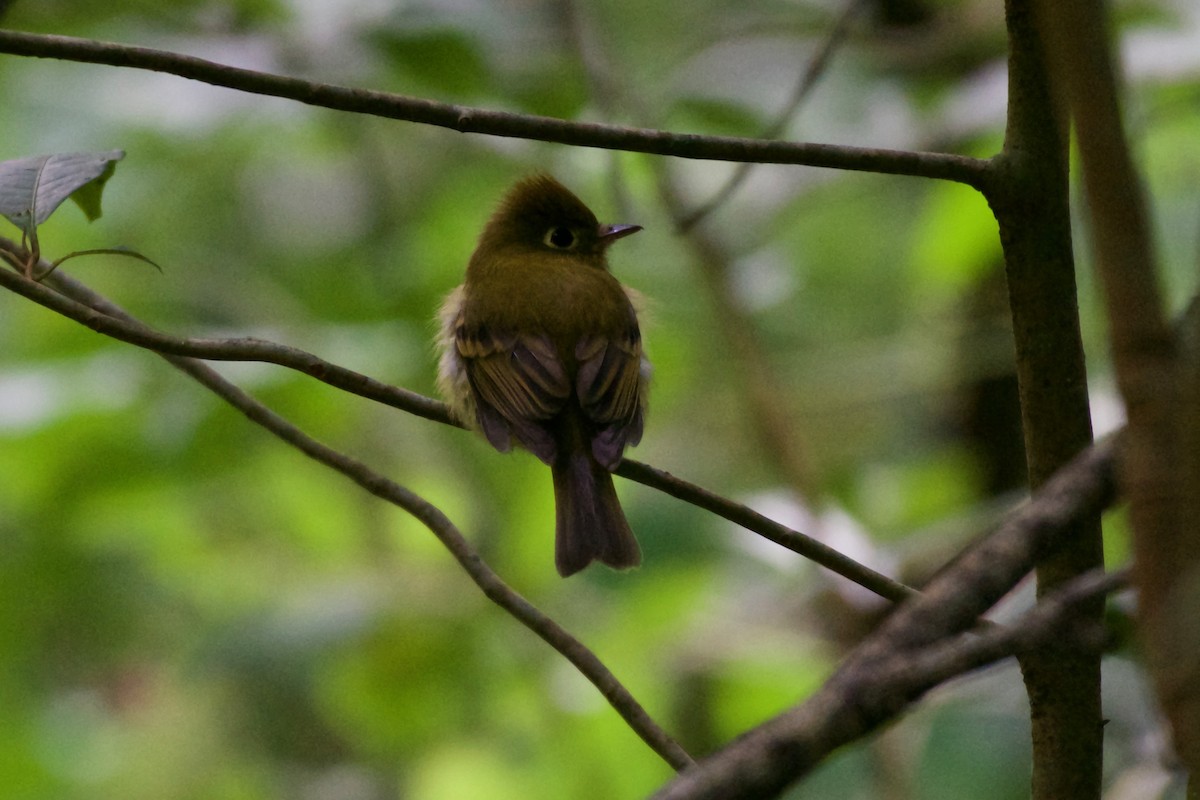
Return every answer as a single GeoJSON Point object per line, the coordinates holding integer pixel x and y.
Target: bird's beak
{"type": "Point", "coordinates": [610, 233]}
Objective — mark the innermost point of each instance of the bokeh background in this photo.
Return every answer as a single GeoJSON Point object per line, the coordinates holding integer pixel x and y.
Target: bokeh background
{"type": "Point", "coordinates": [190, 609]}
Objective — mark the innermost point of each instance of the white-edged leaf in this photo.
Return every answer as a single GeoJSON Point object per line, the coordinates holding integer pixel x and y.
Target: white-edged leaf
{"type": "Point", "coordinates": [32, 188]}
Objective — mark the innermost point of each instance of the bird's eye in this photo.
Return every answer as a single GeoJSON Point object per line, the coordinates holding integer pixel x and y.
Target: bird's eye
{"type": "Point", "coordinates": [560, 238]}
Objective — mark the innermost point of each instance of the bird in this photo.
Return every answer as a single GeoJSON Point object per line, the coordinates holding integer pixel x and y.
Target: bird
{"type": "Point", "coordinates": [541, 348]}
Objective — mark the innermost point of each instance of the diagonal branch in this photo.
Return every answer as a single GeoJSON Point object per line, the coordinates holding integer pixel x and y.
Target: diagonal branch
{"type": "Point", "coordinates": [804, 87]}
{"type": "Point", "coordinates": [751, 520]}
{"type": "Point", "coordinates": [127, 329]}
{"type": "Point", "coordinates": [490, 583]}
{"type": "Point", "coordinates": [467, 119]}
{"type": "Point", "coordinates": [874, 684]}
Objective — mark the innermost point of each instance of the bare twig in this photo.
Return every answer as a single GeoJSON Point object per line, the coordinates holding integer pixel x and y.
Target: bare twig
{"type": "Point", "coordinates": [808, 81]}
{"type": "Point", "coordinates": [466, 119]}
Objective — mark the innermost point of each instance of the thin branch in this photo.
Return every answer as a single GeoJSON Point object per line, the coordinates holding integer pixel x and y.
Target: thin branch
{"type": "Point", "coordinates": [782, 535]}
{"type": "Point", "coordinates": [128, 329]}
{"type": "Point", "coordinates": [808, 81]}
{"type": "Point", "coordinates": [465, 119]}
{"type": "Point", "coordinates": [859, 697]}
{"type": "Point", "coordinates": [491, 584]}
{"type": "Point", "coordinates": [100, 315]}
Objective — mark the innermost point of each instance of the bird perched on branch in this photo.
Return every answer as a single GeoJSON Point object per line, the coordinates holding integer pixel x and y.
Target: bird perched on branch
{"type": "Point", "coordinates": [540, 347]}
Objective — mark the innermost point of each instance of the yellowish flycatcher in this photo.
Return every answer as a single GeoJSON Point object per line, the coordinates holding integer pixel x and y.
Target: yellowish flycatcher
{"type": "Point", "coordinates": [541, 348]}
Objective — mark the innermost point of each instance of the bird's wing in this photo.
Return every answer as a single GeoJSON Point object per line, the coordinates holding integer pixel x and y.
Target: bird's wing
{"type": "Point", "coordinates": [610, 383]}
{"type": "Point", "coordinates": [519, 382]}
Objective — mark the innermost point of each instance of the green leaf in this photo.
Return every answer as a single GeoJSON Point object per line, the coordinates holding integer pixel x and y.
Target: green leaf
{"type": "Point", "coordinates": [32, 188]}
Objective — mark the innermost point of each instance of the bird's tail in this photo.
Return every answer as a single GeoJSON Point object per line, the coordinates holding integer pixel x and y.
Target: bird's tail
{"type": "Point", "coordinates": [590, 524]}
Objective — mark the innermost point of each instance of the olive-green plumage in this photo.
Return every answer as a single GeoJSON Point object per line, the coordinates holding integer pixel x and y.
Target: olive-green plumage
{"type": "Point", "coordinates": [541, 347]}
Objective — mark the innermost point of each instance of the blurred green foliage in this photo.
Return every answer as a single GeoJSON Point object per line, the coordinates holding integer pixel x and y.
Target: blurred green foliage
{"type": "Point", "coordinates": [188, 609]}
